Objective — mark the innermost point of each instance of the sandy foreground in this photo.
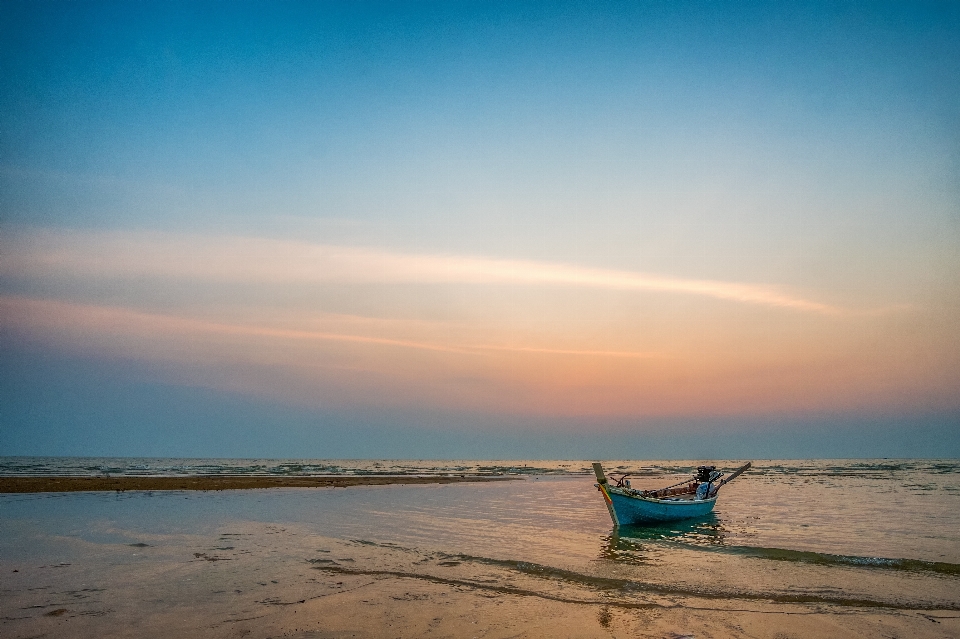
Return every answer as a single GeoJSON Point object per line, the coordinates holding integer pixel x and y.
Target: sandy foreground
{"type": "Point", "coordinates": [385, 607]}
{"type": "Point", "coordinates": [55, 484]}
{"type": "Point", "coordinates": [264, 580]}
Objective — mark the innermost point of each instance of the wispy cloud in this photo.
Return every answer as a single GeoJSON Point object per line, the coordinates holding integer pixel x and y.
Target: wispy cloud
{"type": "Point", "coordinates": [332, 368]}
{"type": "Point", "coordinates": [68, 319]}
{"type": "Point", "coordinates": [361, 361]}
{"type": "Point", "coordinates": [256, 260]}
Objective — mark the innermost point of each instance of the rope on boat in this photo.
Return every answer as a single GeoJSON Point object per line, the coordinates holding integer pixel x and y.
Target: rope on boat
{"type": "Point", "coordinates": [715, 487]}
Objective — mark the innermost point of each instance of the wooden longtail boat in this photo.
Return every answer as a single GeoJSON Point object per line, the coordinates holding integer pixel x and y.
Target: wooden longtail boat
{"type": "Point", "coordinates": [695, 497]}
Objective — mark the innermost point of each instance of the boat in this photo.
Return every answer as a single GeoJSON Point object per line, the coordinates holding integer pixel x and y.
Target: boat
{"type": "Point", "coordinates": [690, 498]}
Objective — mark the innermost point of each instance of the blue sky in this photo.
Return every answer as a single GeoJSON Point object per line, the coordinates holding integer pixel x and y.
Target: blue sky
{"type": "Point", "coordinates": [470, 228]}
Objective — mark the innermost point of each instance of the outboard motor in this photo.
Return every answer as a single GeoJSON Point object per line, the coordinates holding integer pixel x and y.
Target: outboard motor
{"type": "Point", "coordinates": [704, 473]}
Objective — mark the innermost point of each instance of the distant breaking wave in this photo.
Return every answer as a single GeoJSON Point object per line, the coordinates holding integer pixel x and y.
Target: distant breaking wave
{"type": "Point", "coordinates": [147, 466]}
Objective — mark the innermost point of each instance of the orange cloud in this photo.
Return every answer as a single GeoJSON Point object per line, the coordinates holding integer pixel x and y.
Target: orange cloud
{"type": "Point", "coordinates": [362, 362]}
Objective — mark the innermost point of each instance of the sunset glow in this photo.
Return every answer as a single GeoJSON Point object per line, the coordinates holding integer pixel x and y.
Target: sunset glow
{"type": "Point", "coordinates": [383, 217]}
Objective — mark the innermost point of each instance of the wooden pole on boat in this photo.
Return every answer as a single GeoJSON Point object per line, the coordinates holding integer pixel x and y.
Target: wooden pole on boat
{"type": "Point", "coordinates": [598, 471]}
{"type": "Point", "coordinates": [729, 479]}
{"type": "Point", "coordinates": [602, 486]}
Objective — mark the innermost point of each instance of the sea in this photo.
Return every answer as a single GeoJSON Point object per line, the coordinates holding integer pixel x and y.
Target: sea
{"type": "Point", "coordinates": [845, 535]}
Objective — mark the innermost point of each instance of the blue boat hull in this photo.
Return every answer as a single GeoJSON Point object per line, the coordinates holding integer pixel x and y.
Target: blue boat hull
{"type": "Point", "coordinates": [628, 509]}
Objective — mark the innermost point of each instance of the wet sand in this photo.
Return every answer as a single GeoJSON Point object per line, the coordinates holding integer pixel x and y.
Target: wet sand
{"type": "Point", "coordinates": [371, 608]}
{"type": "Point", "coordinates": [278, 581]}
{"type": "Point", "coordinates": [496, 560]}
{"type": "Point", "coordinates": [57, 484]}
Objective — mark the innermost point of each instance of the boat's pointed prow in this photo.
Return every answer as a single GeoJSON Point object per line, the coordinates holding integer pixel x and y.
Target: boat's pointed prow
{"type": "Point", "coordinates": [602, 487]}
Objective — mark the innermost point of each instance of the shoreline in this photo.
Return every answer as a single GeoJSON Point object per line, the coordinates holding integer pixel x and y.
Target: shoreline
{"type": "Point", "coordinates": [64, 484]}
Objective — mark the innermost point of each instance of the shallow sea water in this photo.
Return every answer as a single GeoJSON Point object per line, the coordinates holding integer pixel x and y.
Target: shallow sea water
{"type": "Point", "coordinates": [847, 536]}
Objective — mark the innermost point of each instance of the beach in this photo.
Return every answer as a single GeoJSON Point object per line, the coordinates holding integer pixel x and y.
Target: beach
{"type": "Point", "coordinates": [531, 558]}
{"type": "Point", "coordinates": [374, 592]}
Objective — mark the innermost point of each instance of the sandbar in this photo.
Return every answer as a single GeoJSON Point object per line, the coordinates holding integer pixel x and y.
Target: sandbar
{"type": "Point", "coordinates": [63, 484]}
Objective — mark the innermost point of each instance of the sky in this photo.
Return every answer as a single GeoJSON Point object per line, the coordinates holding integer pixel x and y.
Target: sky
{"type": "Point", "coordinates": [483, 230]}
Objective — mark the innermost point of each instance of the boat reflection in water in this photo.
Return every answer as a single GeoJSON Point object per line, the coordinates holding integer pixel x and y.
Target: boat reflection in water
{"type": "Point", "coordinates": [635, 544]}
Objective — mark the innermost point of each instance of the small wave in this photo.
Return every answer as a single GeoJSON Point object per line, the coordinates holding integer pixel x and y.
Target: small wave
{"type": "Point", "coordinates": [882, 469]}
{"type": "Point", "coordinates": [609, 587]}
{"type": "Point", "coordinates": [709, 536]}
{"type": "Point", "coordinates": [826, 559]}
